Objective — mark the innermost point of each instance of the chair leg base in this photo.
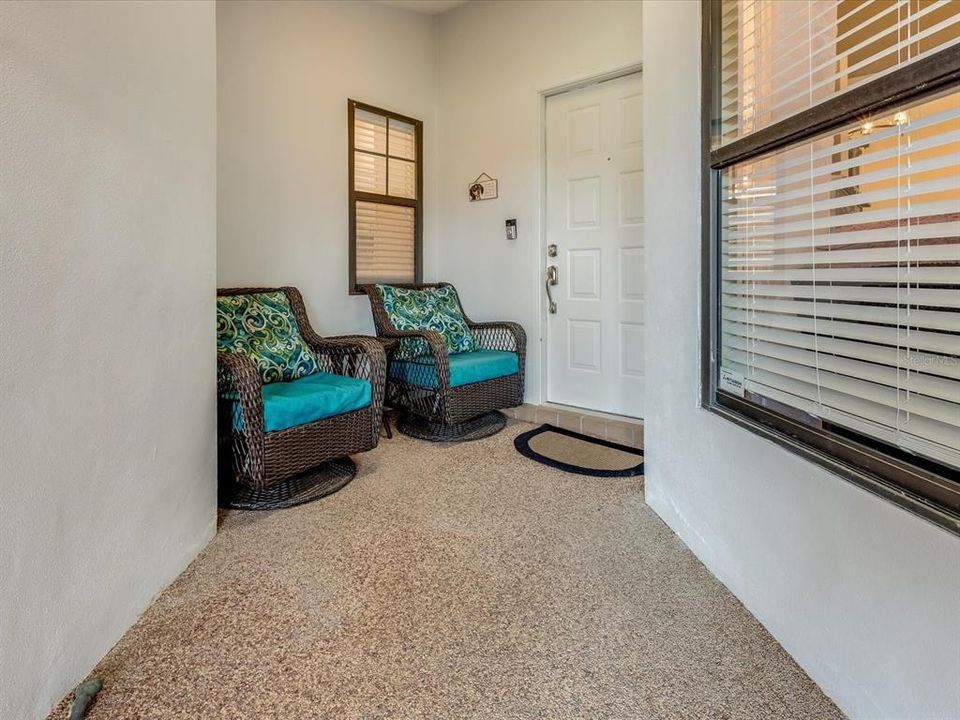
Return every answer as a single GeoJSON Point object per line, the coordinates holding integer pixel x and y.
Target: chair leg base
{"type": "Point", "coordinates": [473, 429]}
{"type": "Point", "coordinates": [311, 485]}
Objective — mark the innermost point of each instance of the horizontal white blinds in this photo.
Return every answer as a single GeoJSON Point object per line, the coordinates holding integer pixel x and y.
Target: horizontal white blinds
{"type": "Point", "coordinates": [840, 287]}
{"type": "Point", "coordinates": [370, 173]}
{"type": "Point", "coordinates": [384, 164]}
{"type": "Point", "coordinates": [384, 156]}
{"type": "Point", "coordinates": [386, 242]}
{"type": "Point", "coordinates": [402, 179]}
{"type": "Point", "coordinates": [370, 132]}
{"type": "Point", "coordinates": [780, 57]}
{"type": "Point", "coordinates": [403, 140]}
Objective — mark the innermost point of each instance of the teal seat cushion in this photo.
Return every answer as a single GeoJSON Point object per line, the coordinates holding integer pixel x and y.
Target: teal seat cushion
{"type": "Point", "coordinates": [431, 308]}
{"type": "Point", "coordinates": [465, 368]}
{"type": "Point", "coordinates": [311, 398]}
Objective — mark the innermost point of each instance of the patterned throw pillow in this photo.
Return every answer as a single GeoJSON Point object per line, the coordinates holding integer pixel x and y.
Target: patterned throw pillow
{"type": "Point", "coordinates": [262, 327]}
{"type": "Point", "coordinates": [428, 309]}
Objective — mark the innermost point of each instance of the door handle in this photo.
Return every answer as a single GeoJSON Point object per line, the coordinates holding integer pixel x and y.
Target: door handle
{"type": "Point", "coordinates": [553, 277]}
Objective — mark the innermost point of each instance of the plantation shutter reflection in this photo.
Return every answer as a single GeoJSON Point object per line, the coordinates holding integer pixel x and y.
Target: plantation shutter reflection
{"type": "Point", "coordinates": [840, 278]}
{"type": "Point", "coordinates": [778, 58]}
{"type": "Point", "coordinates": [385, 206]}
{"type": "Point", "coordinates": [385, 243]}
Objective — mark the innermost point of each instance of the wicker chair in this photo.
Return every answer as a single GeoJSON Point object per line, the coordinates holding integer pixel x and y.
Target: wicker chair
{"type": "Point", "coordinates": [266, 470]}
{"type": "Point", "coordinates": [434, 408]}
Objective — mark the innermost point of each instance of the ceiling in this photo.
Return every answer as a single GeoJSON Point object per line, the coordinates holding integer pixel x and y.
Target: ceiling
{"type": "Point", "coordinates": [427, 7]}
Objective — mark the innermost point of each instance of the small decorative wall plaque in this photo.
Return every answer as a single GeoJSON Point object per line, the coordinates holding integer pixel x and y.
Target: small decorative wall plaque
{"type": "Point", "coordinates": [483, 188]}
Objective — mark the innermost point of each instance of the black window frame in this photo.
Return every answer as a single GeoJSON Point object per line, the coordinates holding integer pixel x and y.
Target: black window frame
{"type": "Point", "coordinates": [355, 195]}
{"type": "Point", "coordinates": [927, 489]}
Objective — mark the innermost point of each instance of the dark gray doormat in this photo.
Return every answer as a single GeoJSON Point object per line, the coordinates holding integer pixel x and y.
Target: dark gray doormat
{"type": "Point", "coordinates": [576, 453]}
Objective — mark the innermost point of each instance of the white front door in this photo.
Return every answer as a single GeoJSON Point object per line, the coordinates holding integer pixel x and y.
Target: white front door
{"type": "Point", "coordinates": [594, 218]}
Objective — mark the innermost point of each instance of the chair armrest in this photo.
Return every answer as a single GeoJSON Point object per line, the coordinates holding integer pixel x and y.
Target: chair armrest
{"type": "Point", "coordinates": [356, 356]}
{"type": "Point", "coordinates": [438, 348]}
{"type": "Point", "coordinates": [438, 351]}
{"type": "Point", "coordinates": [509, 336]}
{"type": "Point", "coordinates": [386, 329]}
{"type": "Point", "coordinates": [237, 376]}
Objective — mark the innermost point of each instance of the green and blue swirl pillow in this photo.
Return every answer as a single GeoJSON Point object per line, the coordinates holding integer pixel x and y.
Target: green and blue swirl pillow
{"type": "Point", "coordinates": [427, 309]}
{"type": "Point", "coordinates": [262, 326]}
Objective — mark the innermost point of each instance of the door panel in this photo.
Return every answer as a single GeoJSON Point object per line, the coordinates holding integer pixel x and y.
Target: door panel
{"type": "Point", "coordinates": [584, 274]}
{"type": "Point", "coordinates": [583, 203]}
{"type": "Point", "coordinates": [595, 218]}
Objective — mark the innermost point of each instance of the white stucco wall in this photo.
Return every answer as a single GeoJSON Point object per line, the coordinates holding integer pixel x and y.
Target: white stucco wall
{"type": "Point", "coordinates": [107, 228]}
{"type": "Point", "coordinates": [495, 60]}
{"type": "Point", "coordinates": [107, 370]}
{"type": "Point", "coordinates": [285, 71]}
{"type": "Point", "coordinates": [863, 594]}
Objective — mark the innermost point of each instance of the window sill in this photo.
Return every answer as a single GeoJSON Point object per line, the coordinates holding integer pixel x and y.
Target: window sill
{"type": "Point", "coordinates": [935, 514]}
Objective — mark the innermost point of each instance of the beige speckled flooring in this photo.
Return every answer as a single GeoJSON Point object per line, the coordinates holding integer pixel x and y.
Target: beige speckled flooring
{"type": "Point", "coordinates": [458, 581]}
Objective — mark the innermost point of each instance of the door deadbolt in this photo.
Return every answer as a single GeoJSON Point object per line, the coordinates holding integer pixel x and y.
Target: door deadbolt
{"type": "Point", "coordinates": [551, 250]}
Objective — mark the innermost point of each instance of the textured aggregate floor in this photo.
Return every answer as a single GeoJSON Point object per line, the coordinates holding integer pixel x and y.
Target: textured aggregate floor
{"type": "Point", "coordinates": [458, 581]}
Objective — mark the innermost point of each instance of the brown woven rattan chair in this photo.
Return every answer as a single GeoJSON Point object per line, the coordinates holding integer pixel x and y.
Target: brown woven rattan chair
{"type": "Point", "coordinates": [263, 470]}
{"type": "Point", "coordinates": [433, 409]}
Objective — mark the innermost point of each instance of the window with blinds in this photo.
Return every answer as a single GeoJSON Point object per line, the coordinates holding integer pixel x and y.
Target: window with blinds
{"type": "Point", "coordinates": [385, 196]}
{"type": "Point", "coordinates": [780, 57]}
{"type": "Point", "coordinates": [836, 232]}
